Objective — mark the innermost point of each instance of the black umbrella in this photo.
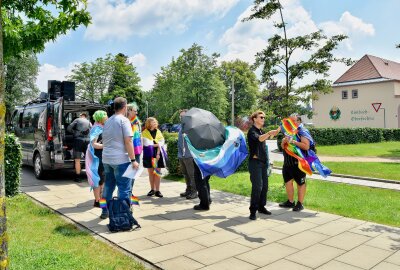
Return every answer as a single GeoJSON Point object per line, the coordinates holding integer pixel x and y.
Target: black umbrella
{"type": "Point", "coordinates": [203, 128]}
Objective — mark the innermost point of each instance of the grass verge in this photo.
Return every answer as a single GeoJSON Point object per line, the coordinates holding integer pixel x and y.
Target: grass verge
{"type": "Point", "coordinates": [376, 205]}
{"type": "Point", "coordinates": [382, 170]}
{"type": "Point", "coordinates": [382, 149]}
{"type": "Point", "coordinates": [39, 239]}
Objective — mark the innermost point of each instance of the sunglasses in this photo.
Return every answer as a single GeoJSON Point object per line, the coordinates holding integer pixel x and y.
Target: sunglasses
{"type": "Point", "coordinates": [262, 117]}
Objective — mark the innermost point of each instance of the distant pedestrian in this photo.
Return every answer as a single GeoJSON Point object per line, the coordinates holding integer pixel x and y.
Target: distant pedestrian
{"type": "Point", "coordinates": [80, 129]}
{"type": "Point", "coordinates": [186, 164]}
{"type": "Point", "coordinates": [258, 167]}
{"type": "Point", "coordinates": [118, 153]}
{"type": "Point", "coordinates": [94, 161]}
{"type": "Point", "coordinates": [154, 155]}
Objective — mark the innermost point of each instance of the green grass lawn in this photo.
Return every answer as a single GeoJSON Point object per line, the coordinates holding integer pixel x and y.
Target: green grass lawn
{"type": "Point", "coordinates": [376, 205]}
{"type": "Point", "coordinates": [39, 239]}
{"type": "Point", "coordinates": [369, 169]}
{"type": "Point", "coordinates": [382, 149]}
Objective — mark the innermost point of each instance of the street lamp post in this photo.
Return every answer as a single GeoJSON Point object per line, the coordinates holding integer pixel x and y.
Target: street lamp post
{"type": "Point", "coordinates": [233, 98]}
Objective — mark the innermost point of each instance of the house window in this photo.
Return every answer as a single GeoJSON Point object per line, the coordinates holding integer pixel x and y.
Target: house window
{"type": "Point", "coordinates": [344, 94]}
{"type": "Point", "coordinates": [354, 93]}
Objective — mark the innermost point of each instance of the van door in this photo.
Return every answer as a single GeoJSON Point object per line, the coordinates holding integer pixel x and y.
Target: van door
{"type": "Point", "coordinates": [58, 131]}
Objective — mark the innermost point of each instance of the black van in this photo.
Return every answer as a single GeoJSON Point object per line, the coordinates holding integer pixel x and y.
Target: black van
{"type": "Point", "coordinates": [41, 127]}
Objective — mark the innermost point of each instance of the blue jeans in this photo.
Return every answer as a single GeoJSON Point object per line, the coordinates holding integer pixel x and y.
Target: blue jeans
{"type": "Point", "coordinates": [114, 179]}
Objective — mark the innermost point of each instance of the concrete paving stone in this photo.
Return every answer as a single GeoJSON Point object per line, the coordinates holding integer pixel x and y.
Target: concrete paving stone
{"type": "Point", "coordinates": [175, 236]}
{"type": "Point", "coordinates": [131, 235]}
{"type": "Point", "coordinates": [215, 238]}
{"type": "Point", "coordinates": [294, 228]}
{"type": "Point", "coordinates": [303, 240]}
{"type": "Point", "coordinates": [230, 264]}
{"type": "Point", "coordinates": [284, 264]}
{"type": "Point", "coordinates": [364, 256]}
{"type": "Point", "coordinates": [335, 265]}
{"type": "Point", "coordinates": [259, 239]}
{"type": "Point", "coordinates": [385, 241]}
{"type": "Point", "coordinates": [181, 263]}
{"type": "Point", "coordinates": [290, 217]}
{"type": "Point", "coordinates": [255, 226]}
{"type": "Point", "coordinates": [216, 225]}
{"type": "Point", "coordinates": [267, 254]}
{"type": "Point", "coordinates": [178, 224]}
{"type": "Point", "coordinates": [315, 255]}
{"type": "Point", "coordinates": [170, 251]}
{"type": "Point", "coordinates": [386, 266]}
{"type": "Point", "coordinates": [217, 253]}
{"type": "Point", "coordinates": [321, 218]}
{"type": "Point", "coordinates": [243, 210]}
{"type": "Point", "coordinates": [346, 240]}
{"type": "Point", "coordinates": [334, 227]}
{"type": "Point", "coordinates": [369, 229]}
{"type": "Point", "coordinates": [395, 258]}
{"type": "Point", "coordinates": [138, 245]}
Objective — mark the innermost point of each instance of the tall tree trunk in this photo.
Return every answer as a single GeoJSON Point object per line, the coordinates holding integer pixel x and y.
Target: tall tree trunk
{"type": "Point", "coordinates": [3, 217]}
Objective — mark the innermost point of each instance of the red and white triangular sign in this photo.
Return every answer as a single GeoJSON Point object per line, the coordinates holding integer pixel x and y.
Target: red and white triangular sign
{"type": "Point", "coordinates": [376, 106]}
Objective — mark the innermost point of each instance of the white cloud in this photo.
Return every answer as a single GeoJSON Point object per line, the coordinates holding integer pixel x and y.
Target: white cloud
{"type": "Point", "coordinates": [138, 60]}
{"type": "Point", "coordinates": [50, 72]}
{"type": "Point", "coordinates": [147, 83]}
{"type": "Point", "coordinates": [121, 19]}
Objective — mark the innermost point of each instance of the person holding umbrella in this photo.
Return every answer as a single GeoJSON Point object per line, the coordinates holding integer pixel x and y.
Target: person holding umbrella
{"type": "Point", "coordinates": [258, 165]}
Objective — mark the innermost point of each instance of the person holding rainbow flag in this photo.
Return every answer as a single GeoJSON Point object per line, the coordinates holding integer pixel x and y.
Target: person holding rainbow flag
{"type": "Point", "coordinates": [137, 132]}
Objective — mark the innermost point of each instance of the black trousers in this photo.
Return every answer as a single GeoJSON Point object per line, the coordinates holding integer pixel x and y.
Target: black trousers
{"type": "Point", "coordinates": [259, 184]}
{"type": "Point", "coordinates": [203, 187]}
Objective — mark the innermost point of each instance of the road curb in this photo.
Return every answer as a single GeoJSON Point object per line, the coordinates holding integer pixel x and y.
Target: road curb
{"type": "Point", "coordinates": [357, 177]}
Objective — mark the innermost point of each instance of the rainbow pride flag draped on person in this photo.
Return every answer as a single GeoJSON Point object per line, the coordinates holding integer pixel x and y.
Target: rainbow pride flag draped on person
{"type": "Point", "coordinates": [148, 148]}
{"type": "Point", "coordinates": [222, 160]}
{"type": "Point", "coordinates": [137, 130]}
{"type": "Point", "coordinates": [91, 160]}
{"type": "Point", "coordinates": [308, 160]}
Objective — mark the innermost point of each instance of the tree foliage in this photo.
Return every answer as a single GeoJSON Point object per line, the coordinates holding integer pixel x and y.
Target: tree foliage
{"type": "Point", "coordinates": [277, 58]}
{"type": "Point", "coordinates": [26, 26]}
{"type": "Point", "coordinates": [191, 80]}
{"type": "Point", "coordinates": [245, 85]}
{"type": "Point", "coordinates": [20, 80]}
{"type": "Point", "coordinates": [398, 46]}
{"type": "Point", "coordinates": [92, 79]}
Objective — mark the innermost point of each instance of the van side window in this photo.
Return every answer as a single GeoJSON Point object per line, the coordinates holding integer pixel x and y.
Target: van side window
{"type": "Point", "coordinates": [31, 117]}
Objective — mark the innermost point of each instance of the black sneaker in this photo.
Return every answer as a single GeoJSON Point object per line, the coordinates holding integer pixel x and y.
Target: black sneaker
{"type": "Point", "coordinates": [192, 196]}
{"type": "Point", "coordinates": [79, 180]}
{"type": "Point", "coordinates": [104, 215]}
{"type": "Point", "coordinates": [158, 194]}
{"type": "Point", "coordinates": [253, 216]}
{"type": "Point", "coordinates": [298, 207]}
{"type": "Point", "coordinates": [287, 204]}
{"type": "Point", "coordinates": [184, 194]}
{"type": "Point", "coordinates": [264, 211]}
{"type": "Point", "coordinates": [96, 204]}
{"type": "Point", "coordinates": [151, 193]}
{"type": "Point", "coordinates": [199, 207]}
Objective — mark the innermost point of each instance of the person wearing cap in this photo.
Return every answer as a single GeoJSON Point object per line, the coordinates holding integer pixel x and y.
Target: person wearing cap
{"type": "Point", "coordinates": [136, 125]}
{"type": "Point", "coordinates": [80, 129]}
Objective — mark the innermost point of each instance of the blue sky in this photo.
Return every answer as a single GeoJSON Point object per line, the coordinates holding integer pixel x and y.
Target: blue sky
{"type": "Point", "coordinates": [152, 32]}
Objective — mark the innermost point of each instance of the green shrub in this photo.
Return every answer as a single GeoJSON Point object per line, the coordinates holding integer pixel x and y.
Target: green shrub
{"type": "Point", "coordinates": [391, 134]}
{"type": "Point", "coordinates": [12, 161]}
{"type": "Point", "coordinates": [172, 148]}
{"type": "Point", "coordinates": [335, 136]}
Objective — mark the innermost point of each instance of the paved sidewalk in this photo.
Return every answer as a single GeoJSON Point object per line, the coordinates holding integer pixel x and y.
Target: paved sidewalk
{"type": "Point", "coordinates": [174, 236]}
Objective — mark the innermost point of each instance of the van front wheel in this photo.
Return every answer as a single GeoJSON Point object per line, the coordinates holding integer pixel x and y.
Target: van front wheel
{"type": "Point", "coordinates": [37, 166]}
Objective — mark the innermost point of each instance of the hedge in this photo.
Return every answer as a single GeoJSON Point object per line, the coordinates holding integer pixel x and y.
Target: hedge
{"type": "Point", "coordinates": [12, 161]}
{"type": "Point", "coordinates": [171, 140]}
{"type": "Point", "coordinates": [336, 136]}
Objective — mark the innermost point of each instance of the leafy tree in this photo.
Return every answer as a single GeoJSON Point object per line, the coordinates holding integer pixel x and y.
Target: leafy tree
{"type": "Point", "coordinates": [124, 81]}
{"type": "Point", "coordinates": [26, 26]}
{"type": "Point", "coordinates": [192, 80]}
{"type": "Point", "coordinates": [93, 78]}
{"type": "Point", "coordinates": [398, 46]}
{"type": "Point", "coordinates": [245, 85]}
{"type": "Point", "coordinates": [276, 58]}
{"type": "Point", "coordinates": [20, 80]}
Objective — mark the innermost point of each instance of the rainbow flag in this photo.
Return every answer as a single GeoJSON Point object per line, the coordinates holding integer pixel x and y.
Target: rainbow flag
{"type": "Point", "coordinates": [156, 170]}
{"type": "Point", "coordinates": [134, 200]}
{"type": "Point", "coordinates": [137, 141]}
{"type": "Point", "coordinates": [103, 203]}
{"type": "Point", "coordinates": [289, 127]}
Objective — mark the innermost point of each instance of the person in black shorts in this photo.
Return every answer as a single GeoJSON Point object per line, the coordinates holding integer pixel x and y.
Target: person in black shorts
{"type": "Point", "coordinates": [291, 171]}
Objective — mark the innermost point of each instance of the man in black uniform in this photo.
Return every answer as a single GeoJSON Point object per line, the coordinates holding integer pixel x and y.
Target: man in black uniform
{"type": "Point", "coordinates": [258, 166]}
{"type": "Point", "coordinates": [291, 171]}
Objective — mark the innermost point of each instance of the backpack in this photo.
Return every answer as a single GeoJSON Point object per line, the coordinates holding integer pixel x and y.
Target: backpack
{"type": "Point", "coordinates": [120, 215]}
